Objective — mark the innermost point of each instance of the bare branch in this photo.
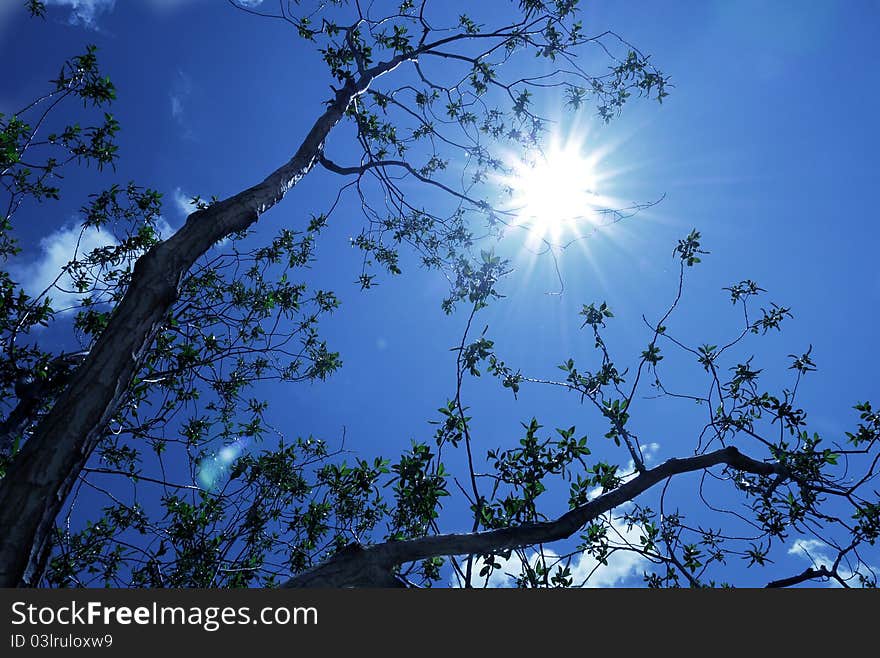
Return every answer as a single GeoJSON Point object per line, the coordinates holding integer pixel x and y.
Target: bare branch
{"type": "Point", "coordinates": [807, 574]}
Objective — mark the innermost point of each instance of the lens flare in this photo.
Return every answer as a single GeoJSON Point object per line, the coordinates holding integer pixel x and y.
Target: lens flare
{"type": "Point", "coordinates": [214, 468]}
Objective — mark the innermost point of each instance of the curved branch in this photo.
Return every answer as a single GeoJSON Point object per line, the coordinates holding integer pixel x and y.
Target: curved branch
{"type": "Point", "coordinates": [807, 574]}
{"type": "Point", "coordinates": [373, 566]}
{"type": "Point", "coordinates": [374, 164]}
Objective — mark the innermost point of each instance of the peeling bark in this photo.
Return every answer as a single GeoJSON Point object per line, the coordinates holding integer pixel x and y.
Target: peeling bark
{"type": "Point", "coordinates": [373, 566]}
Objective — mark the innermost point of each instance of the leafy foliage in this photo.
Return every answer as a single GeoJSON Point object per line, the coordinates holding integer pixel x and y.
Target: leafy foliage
{"type": "Point", "coordinates": [233, 503]}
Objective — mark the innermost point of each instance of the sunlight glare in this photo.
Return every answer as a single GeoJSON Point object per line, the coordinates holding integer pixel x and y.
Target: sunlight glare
{"type": "Point", "coordinates": [554, 190]}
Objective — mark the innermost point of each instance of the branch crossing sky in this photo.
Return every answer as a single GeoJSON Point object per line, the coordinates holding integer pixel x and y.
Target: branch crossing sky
{"type": "Point", "coordinates": [767, 144]}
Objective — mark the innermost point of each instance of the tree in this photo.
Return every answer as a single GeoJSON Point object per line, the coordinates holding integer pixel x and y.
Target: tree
{"type": "Point", "coordinates": [174, 333]}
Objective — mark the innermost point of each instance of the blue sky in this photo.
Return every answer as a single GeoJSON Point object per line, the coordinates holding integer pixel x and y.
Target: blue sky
{"type": "Point", "coordinates": [767, 144]}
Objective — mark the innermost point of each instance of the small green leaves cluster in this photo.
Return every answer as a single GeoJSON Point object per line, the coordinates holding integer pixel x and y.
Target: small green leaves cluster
{"type": "Point", "coordinates": [770, 319]}
{"type": "Point", "coordinates": [868, 432]}
{"type": "Point", "coordinates": [741, 291]}
{"type": "Point", "coordinates": [689, 248]}
{"type": "Point", "coordinates": [33, 152]}
{"type": "Point", "coordinates": [419, 484]}
{"type": "Point", "coordinates": [522, 474]}
{"type": "Point", "coordinates": [475, 283]}
{"type": "Point", "coordinates": [595, 316]}
{"type": "Point", "coordinates": [635, 71]}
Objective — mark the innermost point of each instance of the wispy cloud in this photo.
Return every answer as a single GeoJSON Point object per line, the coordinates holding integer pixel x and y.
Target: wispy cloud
{"type": "Point", "coordinates": [181, 88]}
{"type": "Point", "coordinates": [649, 456]}
{"type": "Point", "coordinates": [178, 97]}
{"type": "Point", "coordinates": [182, 202]}
{"type": "Point", "coordinates": [819, 554]}
{"type": "Point", "coordinates": [176, 107]}
{"type": "Point", "coordinates": [622, 564]}
{"type": "Point", "coordinates": [46, 275]}
{"type": "Point", "coordinates": [165, 5]}
{"type": "Point", "coordinates": [84, 12]}
{"type": "Point", "coordinates": [584, 569]}
{"type": "Point", "coordinates": [184, 205]}
{"type": "Point", "coordinates": [163, 229]}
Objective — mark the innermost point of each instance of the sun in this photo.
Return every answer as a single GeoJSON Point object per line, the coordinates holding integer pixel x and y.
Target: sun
{"type": "Point", "coordinates": [554, 191]}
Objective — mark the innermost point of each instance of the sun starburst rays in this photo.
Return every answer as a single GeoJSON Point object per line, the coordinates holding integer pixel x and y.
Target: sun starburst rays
{"type": "Point", "coordinates": [555, 193]}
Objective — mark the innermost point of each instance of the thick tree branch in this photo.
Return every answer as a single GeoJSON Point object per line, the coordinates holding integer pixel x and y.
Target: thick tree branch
{"type": "Point", "coordinates": [807, 574]}
{"type": "Point", "coordinates": [373, 566]}
{"type": "Point", "coordinates": [44, 472]}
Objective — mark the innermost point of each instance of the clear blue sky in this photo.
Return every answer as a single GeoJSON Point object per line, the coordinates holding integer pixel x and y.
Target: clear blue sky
{"type": "Point", "coordinates": [767, 144]}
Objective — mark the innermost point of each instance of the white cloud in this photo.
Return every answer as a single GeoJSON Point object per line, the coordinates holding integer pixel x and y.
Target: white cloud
{"type": "Point", "coordinates": [183, 203]}
{"type": "Point", "coordinates": [84, 12]}
{"type": "Point", "coordinates": [185, 206]}
{"type": "Point", "coordinates": [163, 228]}
{"type": "Point", "coordinates": [817, 552]}
{"type": "Point", "coordinates": [46, 275]}
{"type": "Point", "coordinates": [57, 250]}
{"type": "Point", "coordinates": [649, 456]}
{"type": "Point", "coordinates": [181, 88]}
{"type": "Point", "coordinates": [622, 567]}
{"type": "Point", "coordinates": [649, 453]}
{"type": "Point", "coordinates": [622, 564]}
{"type": "Point", "coordinates": [498, 579]}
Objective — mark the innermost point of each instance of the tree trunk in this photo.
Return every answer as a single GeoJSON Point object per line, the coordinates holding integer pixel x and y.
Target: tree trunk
{"type": "Point", "coordinates": [43, 473]}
